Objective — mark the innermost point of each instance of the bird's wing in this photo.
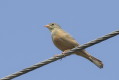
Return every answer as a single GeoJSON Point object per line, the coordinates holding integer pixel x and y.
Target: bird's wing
{"type": "Point", "coordinates": [63, 40]}
{"type": "Point", "coordinates": [69, 39]}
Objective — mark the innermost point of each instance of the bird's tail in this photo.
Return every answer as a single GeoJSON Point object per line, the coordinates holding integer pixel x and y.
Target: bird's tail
{"type": "Point", "coordinates": [94, 60]}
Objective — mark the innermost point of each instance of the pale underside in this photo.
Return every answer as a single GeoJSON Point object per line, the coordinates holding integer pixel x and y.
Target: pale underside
{"type": "Point", "coordinates": [63, 40]}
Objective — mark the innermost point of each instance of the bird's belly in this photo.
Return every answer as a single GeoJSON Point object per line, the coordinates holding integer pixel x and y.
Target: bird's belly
{"type": "Point", "coordinates": [62, 44]}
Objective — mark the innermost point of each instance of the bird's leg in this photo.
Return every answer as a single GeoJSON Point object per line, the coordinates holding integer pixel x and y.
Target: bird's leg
{"type": "Point", "coordinates": [62, 53]}
{"type": "Point", "coordinates": [65, 51]}
{"type": "Point", "coordinates": [56, 55]}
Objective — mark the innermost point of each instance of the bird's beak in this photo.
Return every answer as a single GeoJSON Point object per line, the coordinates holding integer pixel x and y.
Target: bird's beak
{"type": "Point", "coordinates": [47, 26]}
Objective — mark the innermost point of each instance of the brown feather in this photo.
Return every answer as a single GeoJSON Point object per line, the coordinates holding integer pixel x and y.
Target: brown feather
{"type": "Point", "coordinates": [64, 41]}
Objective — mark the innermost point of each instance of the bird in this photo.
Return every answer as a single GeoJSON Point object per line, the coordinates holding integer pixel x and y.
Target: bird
{"type": "Point", "coordinates": [64, 41]}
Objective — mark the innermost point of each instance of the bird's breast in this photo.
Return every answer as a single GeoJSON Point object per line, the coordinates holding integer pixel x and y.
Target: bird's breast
{"type": "Point", "coordinates": [59, 41]}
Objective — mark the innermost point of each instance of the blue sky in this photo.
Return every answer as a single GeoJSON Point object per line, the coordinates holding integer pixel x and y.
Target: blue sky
{"type": "Point", "coordinates": [24, 41]}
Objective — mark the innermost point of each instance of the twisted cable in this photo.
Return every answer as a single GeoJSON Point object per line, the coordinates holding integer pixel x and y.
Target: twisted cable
{"type": "Point", "coordinates": [52, 59]}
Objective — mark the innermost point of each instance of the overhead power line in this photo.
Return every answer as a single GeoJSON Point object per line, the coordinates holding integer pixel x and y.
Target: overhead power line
{"type": "Point", "coordinates": [52, 59]}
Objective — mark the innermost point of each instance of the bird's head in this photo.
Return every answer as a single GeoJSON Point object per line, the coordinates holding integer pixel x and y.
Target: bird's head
{"type": "Point", "coordinates": [52, 26]}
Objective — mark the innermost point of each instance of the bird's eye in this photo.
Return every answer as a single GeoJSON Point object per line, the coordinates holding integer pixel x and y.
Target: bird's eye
{"type": "Point", "coordinates": [52, 24]}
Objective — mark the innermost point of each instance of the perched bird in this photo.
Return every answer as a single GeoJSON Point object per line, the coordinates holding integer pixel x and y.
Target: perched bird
{"type": "Point", "coordinates": [64, 42]}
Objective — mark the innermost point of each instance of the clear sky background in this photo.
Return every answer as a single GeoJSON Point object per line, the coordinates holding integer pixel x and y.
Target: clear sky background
{"type": "Point", "coordinates": [24, 41]}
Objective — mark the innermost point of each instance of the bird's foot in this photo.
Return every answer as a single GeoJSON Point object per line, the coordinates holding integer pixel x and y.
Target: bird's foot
{"type": "Point", "coordinates": [64, 52]}
{"type": "Point", "coordinates": [56, 55]}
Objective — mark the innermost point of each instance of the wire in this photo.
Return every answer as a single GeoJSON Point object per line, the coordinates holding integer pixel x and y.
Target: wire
{"type": "Point", "coordinates": [52, 59]}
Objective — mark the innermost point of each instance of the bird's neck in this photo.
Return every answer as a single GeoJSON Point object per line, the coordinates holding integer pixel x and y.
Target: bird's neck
{"type": "Point", "coordinates": [54, 31]}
